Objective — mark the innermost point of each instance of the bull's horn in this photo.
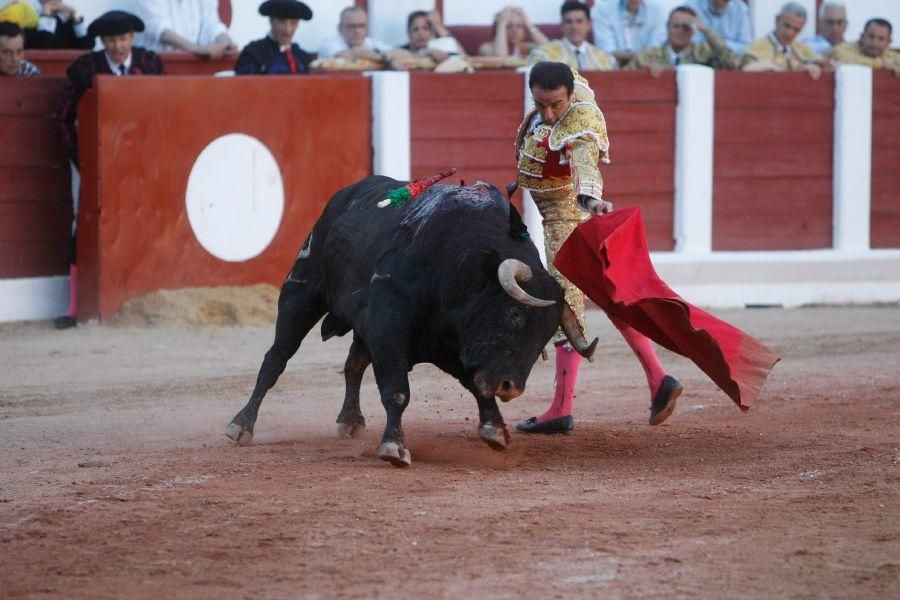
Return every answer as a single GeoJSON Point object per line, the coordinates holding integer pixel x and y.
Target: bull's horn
{"type": "Point", "coordinates": [510, 272]}
{"type": "Point", "coordinates": [570, 327]}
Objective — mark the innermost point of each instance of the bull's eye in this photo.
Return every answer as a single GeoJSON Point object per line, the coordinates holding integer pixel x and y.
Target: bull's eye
{"type": "Point", "coordinates": [515, 318]}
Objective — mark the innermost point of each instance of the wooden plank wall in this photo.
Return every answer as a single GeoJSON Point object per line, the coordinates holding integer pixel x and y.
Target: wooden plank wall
{"type": "Point", "coordinates": [885, 216]}
{"type": "Point", "coordinates": [773, 161]}
{"type": "Point", "coordinates": [640, 118]}
{"type": "Point", "coordinates": [467, 121]}
{"type": "Point", "coordinates": [470, 121]}
{"type": "Point", "coordinates": [35, 196]}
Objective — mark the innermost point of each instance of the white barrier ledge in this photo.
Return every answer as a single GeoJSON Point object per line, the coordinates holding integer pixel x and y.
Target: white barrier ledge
{"type": "Point", "coordinates": [852, 181]}
{"type": "Point", "coordinates": [391, 130]}
{"type": "Point", "coordinates": [33, 298]}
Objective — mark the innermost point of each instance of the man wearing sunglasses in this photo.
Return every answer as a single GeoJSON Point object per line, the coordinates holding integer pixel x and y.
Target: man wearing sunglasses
{"type": "Point", "coordinates": [680, 50]}
{"type": "Point", "coordinates": [832, 25]}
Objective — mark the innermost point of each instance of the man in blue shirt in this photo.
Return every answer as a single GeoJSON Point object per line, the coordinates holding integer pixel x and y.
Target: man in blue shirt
{"type": "Point", "coordinates": [625, 27]}
{"type": "Point", "coordinates": [832, 25]}
{"type": "Point", "coordinates": [729, 18]}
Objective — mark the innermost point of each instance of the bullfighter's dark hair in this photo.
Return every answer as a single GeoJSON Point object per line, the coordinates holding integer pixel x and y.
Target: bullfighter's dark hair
{"type": "Point", "coordinates": [550, 76]}
{"type": "Point", "coordinates": [570, 6]}
{"type": "Point", "coordinates": [415, 15]}
{"type": "Point", "coordinates": [10, 29]}
{"type": "Point", "coordinates": [881, 22]}
{"type": "Point", "coordinates": [681, 9]}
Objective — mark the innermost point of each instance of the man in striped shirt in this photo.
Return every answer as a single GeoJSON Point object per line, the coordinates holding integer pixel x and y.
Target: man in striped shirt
{"type": "Point", "coordinates": [12, 52]}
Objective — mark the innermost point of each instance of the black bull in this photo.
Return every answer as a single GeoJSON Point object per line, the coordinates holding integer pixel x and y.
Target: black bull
{"type": "Point", "coordinates": [448, 278]}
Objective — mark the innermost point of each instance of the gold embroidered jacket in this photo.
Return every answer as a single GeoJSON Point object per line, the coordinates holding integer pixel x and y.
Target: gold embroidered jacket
{"type": "Point", "coordinates": [765, 55]}
{"type": "Point", "coordinates": [558, 51]}
{"type": "Point", "coordinates": [851, 54]}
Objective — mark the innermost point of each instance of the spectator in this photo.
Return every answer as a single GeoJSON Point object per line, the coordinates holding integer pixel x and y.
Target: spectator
{"type": "Point", "coordinates": [680, 50]}
{"type": "Point", "coordinates": [729, 18]}
{"type": "Point", "coordinates": [509, 35]}
{"type": "Point", "coordinates": [277, 54]}
{"type": "Point", "coordinates": [353, 41]}
{"type": "Point", "coordinates": [190, 25]}
{"type": "Point", "coordinates": [119, 57]}
{"type": "Point", "coordinates": [12, 52]}
{"type": "Point", "coordinates": [832, 24]}
{"type": "Point", "coordinates": [872, 49]}
{"type": "Point", "coordinates": [428, 38]}
{"type": "Point", "coordinates": [574, 49]}
{"type": "Point", "coordinates": [625, 27]}
{"type": "Point", "coordinates": [21, 12]}
{"type": "Point", "coordinates": [59, 26]}
{"type": "Point", "coordinates": [780, 50]}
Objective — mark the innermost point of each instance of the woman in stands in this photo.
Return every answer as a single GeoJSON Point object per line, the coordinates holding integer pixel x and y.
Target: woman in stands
{"type": "Point", "coordinates": [510, 35]}
{"type": "Point", "coordinates": [428, 38]}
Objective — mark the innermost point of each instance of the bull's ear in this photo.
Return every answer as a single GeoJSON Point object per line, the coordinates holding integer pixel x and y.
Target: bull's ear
{"type": "Point", "coordinates": [490, 262]}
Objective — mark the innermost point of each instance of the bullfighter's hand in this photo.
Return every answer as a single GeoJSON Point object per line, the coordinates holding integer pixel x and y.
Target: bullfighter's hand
{"type": "Point", "coordinates": [597, 207]}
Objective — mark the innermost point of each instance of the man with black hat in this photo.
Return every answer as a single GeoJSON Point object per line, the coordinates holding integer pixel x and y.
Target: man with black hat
{"type": "Point", "coordinates": [276, 54]}
{"type": "Point", "coordinates": [119, 57]}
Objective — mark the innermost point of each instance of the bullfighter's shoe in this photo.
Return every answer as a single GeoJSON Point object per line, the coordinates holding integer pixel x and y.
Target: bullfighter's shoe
{"type": "Point", "coordinates": [64, 322]}
{"type": "Point", "coordinates": [664, 401]}
{"type": "Point", "coordinates": [564, 425]}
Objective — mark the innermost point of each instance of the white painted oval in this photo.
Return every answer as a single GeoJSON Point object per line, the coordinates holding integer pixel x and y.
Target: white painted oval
{"type": "Point", "coordinates": [235, 197]}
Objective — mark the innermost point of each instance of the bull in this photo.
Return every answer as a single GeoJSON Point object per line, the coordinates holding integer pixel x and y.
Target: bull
{"type": "Point", "coordinates": [450, 278]}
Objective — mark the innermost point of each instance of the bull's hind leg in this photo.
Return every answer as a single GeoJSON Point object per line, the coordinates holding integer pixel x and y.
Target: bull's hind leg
{"type": "Point", "coordinates": [351, 422]}
{"type": "Point", "coordinates": [299, 309]}
{"type": "Point", "coordinates": [393, 383]}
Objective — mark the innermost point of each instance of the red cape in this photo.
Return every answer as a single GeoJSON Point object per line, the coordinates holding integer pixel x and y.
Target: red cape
{"type": "Point", "coordinates": [608, 259]}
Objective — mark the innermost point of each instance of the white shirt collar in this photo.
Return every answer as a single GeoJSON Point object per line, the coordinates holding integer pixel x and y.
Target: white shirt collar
{"type": "Point", "coordinates": [779, 46]}
{"type": "Point", "coordinates": [114, 67]}
{"type": "Point", "coordinates": [583, 48]}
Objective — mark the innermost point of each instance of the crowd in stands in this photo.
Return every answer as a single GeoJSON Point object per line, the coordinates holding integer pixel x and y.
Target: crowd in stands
{"type": "Point", "coordinates": [626, 34]}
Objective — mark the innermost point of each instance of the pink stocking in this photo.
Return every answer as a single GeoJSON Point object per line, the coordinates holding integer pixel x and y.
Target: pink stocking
{"type": "Point", "coordinates": [567, 363]}
{"type": "Point", "coordinates": [73, 291]}
{"type": "Point", "coordinates": [643, 349]}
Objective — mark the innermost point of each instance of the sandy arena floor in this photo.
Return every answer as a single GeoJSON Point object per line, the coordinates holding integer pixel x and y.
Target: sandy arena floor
{"type": "Point", "coordinates": [117, 480]}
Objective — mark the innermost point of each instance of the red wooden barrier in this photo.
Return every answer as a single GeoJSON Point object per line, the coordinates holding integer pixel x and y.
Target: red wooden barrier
{"type": "Point", "coordinates": [35, 199]}
{"type": "Point", "coordinates": [470, 120]}
{"type": "Point", "coordinates": [773, 161]}
{"type": "Point", "coordinates": [140, 138]}
{"type": "Point", "coordinates": [640, 117]}
{"type": "Point", "coordinates": [885, 216]}
{"type": "Point", "coordinates": [55, 62]}
{"type": "Point", "coordinates": [467, 121]}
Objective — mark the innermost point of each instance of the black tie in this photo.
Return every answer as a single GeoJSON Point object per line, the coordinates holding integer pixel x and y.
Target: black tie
{"type": "Point", "coordinates": [121, 69]}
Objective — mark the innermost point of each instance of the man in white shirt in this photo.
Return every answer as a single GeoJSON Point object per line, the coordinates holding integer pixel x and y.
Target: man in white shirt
{"type": "Point", "coordinates": [625, 27]}
{"type": "Point", "coordinates": [190, 25]}
{"type": "Point", "coordinates": [832, 24]}
{"type": "Point", "coordinates": [353, 41]}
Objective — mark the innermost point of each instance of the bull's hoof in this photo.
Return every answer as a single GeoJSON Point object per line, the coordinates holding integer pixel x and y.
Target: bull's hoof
{"type": "Point", "coordinates": [495, 436]}
{"type": "Point", "coordinates": [395, 453]}
{"type": "Point", "coordinates": [239, 433]}
{"type": "Point", "coordinates": [350, 430]}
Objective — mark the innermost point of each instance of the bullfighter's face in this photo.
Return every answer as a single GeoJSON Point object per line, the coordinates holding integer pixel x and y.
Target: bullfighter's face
{"type": "Point", "coordinates": [283, 30]}
{"type": "Point", "coordinates": [12, 50]}
{"type": "Point", "coordinates": [118, 47]}
{"type": "Point", "coordinates": [875, 40]}
{"type": "Point", "coordinates": [551, 104]}
{"type": "Point", "coordinates": [787, 26]}
{"type": "Point", "coordinates": [575, 26]}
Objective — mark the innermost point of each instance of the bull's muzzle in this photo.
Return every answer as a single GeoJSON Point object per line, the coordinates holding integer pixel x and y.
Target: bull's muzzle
{"type": "Point", "coordinates": [506, 389]}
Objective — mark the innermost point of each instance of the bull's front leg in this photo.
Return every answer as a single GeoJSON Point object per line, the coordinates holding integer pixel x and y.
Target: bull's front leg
{"type": "Point", "coordinates": [491, 427]}
{"type": "Point", "coordinates": [393, 383]}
